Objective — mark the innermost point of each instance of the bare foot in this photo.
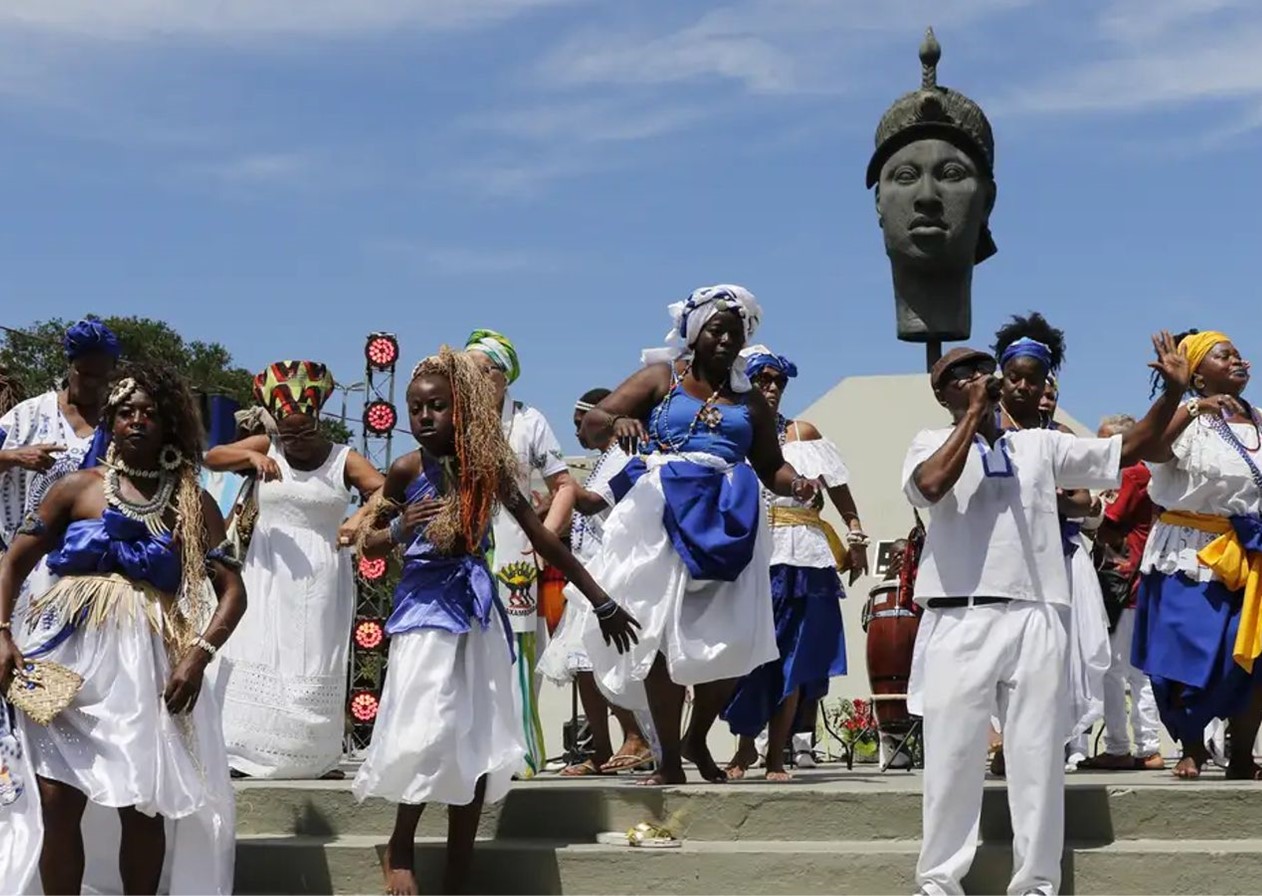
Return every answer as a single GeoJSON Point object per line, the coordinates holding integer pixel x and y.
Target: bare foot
{"type": "Point", "coordinates": [396, 864]}
{"type": "Point", "coordinates": [780, 777]}
{"type": "Point", "coordinates": [663, 777]}
{"type": "Point", "coordinates": [333, 774]}
{"type": "Point", "coordinates": [743, 761]}
{"type": "Point", "coordinates": [1187, 768]}
{"type": "Point", "coordinates": [695, 751]}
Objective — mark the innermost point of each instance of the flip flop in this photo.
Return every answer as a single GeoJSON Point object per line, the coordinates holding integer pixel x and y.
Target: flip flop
{"type": "Point", "coordinates": [583, 769]}
{"type": "Point", "coordinates": [628, 762]}
{"type": "Point", "coordinates": [650, 836]}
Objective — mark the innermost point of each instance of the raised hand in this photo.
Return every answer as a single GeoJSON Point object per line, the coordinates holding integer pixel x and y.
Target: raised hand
{"type": "Point", "coordinates": [1171, 364]}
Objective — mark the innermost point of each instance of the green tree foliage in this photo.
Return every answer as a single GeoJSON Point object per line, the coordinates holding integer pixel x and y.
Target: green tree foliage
{"type": "Point", "coordinates": [34, 361]}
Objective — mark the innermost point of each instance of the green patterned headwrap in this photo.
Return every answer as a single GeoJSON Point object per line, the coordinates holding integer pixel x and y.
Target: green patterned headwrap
{"type": "Point", "coordinates": [499, 348]}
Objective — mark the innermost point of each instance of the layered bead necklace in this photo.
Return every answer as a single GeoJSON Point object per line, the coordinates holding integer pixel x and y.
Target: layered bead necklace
{"type": "Point", "coordinates": [152, 511]}
{"type": "Point", "coordinates": [709, 414]}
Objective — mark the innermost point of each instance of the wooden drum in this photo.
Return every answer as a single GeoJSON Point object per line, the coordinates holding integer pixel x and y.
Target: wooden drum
{"type": "Point", "coordinates": [891, 621]}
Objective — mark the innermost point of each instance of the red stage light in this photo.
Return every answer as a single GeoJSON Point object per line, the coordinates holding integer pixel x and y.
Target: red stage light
{"type": "Point", "coordinates": [382, 350]}
{"type": "Point", "coordinates": [364, 706]}
{"type": "Point", "coordinates": [372, 568]}
{"type": "Point", "coordinates": [380, 417]}
{"type": "Point", "coordinates": [369, 634]}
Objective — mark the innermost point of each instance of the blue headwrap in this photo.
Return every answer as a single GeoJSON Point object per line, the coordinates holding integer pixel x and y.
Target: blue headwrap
{"type": "Point", "coordinates": [1025, 347]}
{"type": "Point", "coordinates": [758, 358]}
{"type": "Point", "coordinates": [89, 336]}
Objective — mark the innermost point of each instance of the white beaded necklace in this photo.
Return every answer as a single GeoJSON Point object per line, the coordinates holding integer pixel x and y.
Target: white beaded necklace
{"type": "Point", "coordinates": [149, 512]}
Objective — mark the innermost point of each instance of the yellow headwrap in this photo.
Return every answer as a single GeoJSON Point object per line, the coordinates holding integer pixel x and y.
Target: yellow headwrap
{"type": "Point", "coordinates": [1198, 345]}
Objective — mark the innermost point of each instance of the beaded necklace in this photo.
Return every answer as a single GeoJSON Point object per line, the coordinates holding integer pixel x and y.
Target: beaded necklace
{"type": "Point", "coordinates": [709, 414]}
{"type": "Point", "coordinates": [782, 432]}
{"type": "Point", "coordinates": [1223, 428]}
{"type": "Point", "coordinates": [578, 532]}
{"type": "Point", "coordinates": [149, 512]}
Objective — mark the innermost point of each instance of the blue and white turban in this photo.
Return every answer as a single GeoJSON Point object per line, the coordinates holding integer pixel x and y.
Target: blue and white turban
{"type": "Point", "coordinates": [691, 315]}
{"type": "Point", "coordinates": [759, 358]}
{"type": "Point", "coordinates": [89, 336]}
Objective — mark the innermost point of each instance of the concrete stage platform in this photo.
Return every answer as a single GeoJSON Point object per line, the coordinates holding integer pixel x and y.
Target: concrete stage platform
{"type": "Point", "coordinates": [829, 831]}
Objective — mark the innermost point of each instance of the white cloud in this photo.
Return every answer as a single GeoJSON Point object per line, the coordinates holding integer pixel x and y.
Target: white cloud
{"type": "Point", "coordinates": [257, 169]}
{"type": "Point", "coordinates": [237, 19]}
{"type": "Point", "coordinates": [1189, 52]}
{"type": "Point", "coordinates": [766, 46]}
{"type": "Point", "coordinates": [451, 260]}
{"type": "Point", "coordinates": [590, 121]}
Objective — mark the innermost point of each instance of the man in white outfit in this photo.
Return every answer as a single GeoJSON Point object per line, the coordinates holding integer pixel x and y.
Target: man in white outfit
{"type": "Point", "coordinates": [993, 583]}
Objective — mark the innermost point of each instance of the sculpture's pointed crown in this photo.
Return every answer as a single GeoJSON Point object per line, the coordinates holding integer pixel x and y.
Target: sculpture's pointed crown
{"type": "Point", "coordinates": [933, 111]}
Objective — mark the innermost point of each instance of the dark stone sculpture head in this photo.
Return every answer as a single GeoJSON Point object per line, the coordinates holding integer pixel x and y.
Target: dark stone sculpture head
{"type": "Point", "coordinates": [933, 170]}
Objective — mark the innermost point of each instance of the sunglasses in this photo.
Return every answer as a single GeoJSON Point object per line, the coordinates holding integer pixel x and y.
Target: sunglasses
{"type": "Point", "coordinates": [967, 370]}
{"type": "Point", "coordinates": [768, 379]}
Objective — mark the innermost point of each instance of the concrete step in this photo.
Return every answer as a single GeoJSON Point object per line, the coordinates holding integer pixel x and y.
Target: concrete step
{"type": "Point", "coordinates": [351, 864]}
{"type": "Point", "coordinates": [826, 805]}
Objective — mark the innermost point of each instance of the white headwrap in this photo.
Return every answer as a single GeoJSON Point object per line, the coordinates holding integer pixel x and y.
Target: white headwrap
{"type": "Point", "coordinates": [691, 315]}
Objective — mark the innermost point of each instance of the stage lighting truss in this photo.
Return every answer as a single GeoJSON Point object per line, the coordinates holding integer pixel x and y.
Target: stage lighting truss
{"type": "Point", "coordinates": [381, 351]}
{"type": "Point", "coordinates": [370, 634]}
{"type": "Point", "coordinates": [371, 569]}
{"type": "Point", "coordinates": [380, 418]}
{"type": "Point", "coordinates": [364, 706]}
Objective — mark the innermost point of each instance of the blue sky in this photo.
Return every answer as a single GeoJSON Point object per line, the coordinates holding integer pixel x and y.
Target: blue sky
{"type": "Point", "coordinates": [284, 176]}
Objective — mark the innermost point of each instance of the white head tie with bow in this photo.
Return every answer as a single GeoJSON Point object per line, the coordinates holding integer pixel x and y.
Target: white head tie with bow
{"type": "Point", "coordinates": [691, 315]}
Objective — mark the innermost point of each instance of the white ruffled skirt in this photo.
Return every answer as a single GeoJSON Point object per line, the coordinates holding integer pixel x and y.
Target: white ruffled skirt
{"type": "Point", "coordinates": [118, 745]}
{"type": "Point", "coordinates": [566, 654]}
{"type": "Point", "coordinates": [706, 630]}
{"type": "Point", "coordinates": [447, 718]}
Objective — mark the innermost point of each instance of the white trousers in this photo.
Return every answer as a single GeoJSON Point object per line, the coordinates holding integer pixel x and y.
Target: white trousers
{"type": "Point", "coordinates": [1143, 714]}
{"type": "Point", "coordinates": [972, 656]}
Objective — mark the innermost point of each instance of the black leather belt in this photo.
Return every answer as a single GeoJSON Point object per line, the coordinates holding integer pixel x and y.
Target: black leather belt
{"type": "Point", "coordinates": [950, 603]}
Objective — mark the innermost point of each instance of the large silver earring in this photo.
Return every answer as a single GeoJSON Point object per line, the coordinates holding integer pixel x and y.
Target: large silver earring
{"type": "Point", "coordinates": [170, 457]}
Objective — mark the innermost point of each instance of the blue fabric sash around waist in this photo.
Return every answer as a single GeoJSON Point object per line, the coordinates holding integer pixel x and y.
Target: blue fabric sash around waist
{"type": "Point", "coordinates": [447, 593]}
{"type": "Point", "coordinates": [711, 515]}
{"type": "Point", "coordinates": [115, 543]}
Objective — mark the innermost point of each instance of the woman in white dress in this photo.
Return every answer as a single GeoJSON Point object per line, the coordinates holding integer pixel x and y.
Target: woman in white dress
{"type": "Point", "coordinates": [807, 557]}
{"type": "Point", "coordinates": [565, 660]}
{"type": "Point", "coordinates": [448, 730]}
{"type": "Point", "coordinates": [685, 549]}
{"type": "Point", "coordinates": [513, 557]}
{"type": "Point", "coordinates": [285, 673]}
{"type": "Point", "coordinates": [140, 736]}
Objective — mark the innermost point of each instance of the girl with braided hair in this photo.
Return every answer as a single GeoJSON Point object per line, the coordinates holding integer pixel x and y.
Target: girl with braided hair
{"type": "Point", "coordinates": [131, 615]}
{"type": "Point", "coordinates": [448, 730]}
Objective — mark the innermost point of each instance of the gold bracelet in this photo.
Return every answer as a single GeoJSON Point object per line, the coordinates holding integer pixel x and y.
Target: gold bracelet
{"type": "Point", "coordinates": [6, 626]}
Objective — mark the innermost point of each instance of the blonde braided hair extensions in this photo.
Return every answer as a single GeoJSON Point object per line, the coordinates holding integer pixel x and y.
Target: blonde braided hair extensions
{"type": "Point", "coordinates": [484, 462]}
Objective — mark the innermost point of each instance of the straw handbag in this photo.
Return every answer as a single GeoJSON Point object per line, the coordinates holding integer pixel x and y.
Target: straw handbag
{"type": "Point", "coordinates": [41, 689]}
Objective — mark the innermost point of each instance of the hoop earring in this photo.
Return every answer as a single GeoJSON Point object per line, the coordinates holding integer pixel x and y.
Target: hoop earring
{"type": "Point", "coordinates": [1198, 382]}
{"type": "Point", "coordinates": [170, 457]}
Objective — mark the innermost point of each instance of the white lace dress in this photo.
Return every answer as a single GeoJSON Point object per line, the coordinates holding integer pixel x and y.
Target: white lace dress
{"type": "Point", "coordinates": [286, 664]}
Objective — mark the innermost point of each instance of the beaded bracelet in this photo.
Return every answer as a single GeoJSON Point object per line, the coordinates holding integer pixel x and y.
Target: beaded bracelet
{"type": "Point", "coordinates": [398, 530]}
{"type": "Point", "coordinates": [205, 645]}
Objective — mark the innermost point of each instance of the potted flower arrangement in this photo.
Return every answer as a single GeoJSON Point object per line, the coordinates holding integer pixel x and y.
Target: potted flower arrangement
{"type": "Point", "coordinates": [854, 724]}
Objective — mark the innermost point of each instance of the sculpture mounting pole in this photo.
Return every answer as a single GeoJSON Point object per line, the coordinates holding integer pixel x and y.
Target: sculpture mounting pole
{"type": "Point", "coordinates": [933, 353]}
